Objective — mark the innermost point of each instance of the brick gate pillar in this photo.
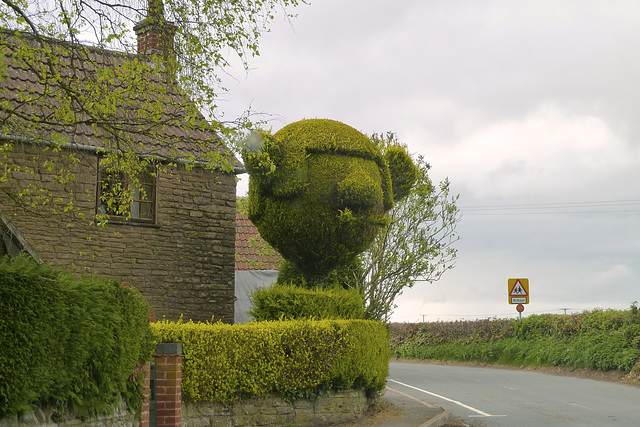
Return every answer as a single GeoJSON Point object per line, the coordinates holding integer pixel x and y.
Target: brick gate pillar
{"type": "Point", "coordinates": [169, 384]}
{"type": "Point", "coordinates": [144, 415]}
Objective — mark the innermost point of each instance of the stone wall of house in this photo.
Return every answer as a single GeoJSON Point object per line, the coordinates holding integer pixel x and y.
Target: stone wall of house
{"type": "Point", "coordinates": [183, 265]}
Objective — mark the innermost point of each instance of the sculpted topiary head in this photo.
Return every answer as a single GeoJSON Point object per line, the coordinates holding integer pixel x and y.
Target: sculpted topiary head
{"type": "Point", "coordinates": [319, 190]}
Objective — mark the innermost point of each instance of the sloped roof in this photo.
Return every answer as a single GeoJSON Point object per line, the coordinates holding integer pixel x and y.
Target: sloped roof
{"type": "Point", "coordinates": [13, 243]}
{"type": "Point", "coordinates": [253, 253]}
{"type": "Point", "coordinates": [158, 121]}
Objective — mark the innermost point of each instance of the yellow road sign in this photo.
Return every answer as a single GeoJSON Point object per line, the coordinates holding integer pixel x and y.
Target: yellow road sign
{"type": "Point", "coordinates": [518, 291]}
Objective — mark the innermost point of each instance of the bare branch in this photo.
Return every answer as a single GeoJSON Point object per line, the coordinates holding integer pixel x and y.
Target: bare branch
{"type": "Point", "coordinates": [415, 247]}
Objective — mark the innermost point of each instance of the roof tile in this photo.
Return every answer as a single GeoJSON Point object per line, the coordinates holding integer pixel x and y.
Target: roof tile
{"type": "Point", "coordinates": [31, 92]}
{"type": "Point", "coordinates": [252, 252]}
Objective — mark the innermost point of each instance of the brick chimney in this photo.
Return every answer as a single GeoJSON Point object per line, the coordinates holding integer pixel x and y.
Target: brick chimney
{"type": "Point", "coordinates": [155, 34]}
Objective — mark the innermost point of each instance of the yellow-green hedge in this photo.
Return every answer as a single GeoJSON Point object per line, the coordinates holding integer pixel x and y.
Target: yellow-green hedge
{"type": "Point", "coordinates": [291, 358]}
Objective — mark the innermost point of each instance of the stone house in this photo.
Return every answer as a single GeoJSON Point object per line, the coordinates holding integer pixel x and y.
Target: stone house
{"type": "Point", "coordinates": [177, 247]}
{"type": "Point", "coordinates": [256, 265]}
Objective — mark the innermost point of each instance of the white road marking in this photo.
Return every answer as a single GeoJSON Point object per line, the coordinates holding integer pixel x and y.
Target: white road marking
{"type": "Point", "coordinates": [581, 406]}
{"type": "Point", "coordinates": [428, 405]}
{"type": "Point", "coordinates": [471, 408]}
{"type": "Point", "coordinates": [478, 416]}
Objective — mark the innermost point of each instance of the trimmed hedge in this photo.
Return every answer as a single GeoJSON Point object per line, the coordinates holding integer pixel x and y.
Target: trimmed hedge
{"type": "Point", "coordinates": [226, 363]}
{"type": "Point", "coordinates": [289, 302]}
{"type": "Point", "coordinates": [67, 343]}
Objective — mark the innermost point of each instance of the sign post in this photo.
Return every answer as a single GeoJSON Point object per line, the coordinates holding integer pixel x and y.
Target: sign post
{"type": "Point", "coordinates": [518, 293]}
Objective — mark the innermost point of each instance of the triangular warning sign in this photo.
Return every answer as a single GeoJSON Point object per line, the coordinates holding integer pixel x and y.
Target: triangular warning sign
{"type": "Point", "coordinates": [518, 290]}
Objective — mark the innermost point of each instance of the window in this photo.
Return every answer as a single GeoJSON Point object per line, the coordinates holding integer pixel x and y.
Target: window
{"type": "Point", "coordinates": [143, 198]}
{"type": "Point", "coordinates": [114, 190]}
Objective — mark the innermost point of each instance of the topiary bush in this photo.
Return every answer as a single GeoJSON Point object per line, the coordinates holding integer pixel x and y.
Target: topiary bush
{"type": "Point", "coordinates": [68, 343]}
{"type": "Point", "coordinates": [288, 302]}
{"type": "Point", "coordinates": [297, 358]}
{"type": "Point", "coordinates": [319, 190]}
{"type": "Point", "coordinates": [343, 276]}
{"type": "Point", "coordinates": [403, 170]}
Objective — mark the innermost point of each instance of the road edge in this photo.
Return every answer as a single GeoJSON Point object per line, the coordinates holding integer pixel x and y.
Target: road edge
{"type": "Point", "coordinates": [444, 417]}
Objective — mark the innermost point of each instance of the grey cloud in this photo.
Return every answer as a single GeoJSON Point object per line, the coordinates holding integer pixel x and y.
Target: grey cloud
{"type": "Point", "coordinates": [445, 74]}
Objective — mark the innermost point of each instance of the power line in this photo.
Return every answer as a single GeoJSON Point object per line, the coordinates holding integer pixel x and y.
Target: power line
{"type": "Point", "coordinates": [559, 204]}
{"type": "Point", "coordinates": [553, 213]}
{"type": "Point", "coordinates": [560, 208]}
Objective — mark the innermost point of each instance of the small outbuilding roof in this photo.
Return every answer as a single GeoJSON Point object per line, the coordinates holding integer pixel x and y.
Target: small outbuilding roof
{"type": "Point", "coordinates": [252, 252]}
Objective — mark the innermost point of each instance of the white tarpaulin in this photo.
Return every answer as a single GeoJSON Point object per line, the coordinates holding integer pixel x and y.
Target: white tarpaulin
{"type": "Point", "coordinates": [246, 283]}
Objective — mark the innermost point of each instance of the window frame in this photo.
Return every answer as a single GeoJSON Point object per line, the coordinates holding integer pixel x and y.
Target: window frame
{"type": "Point", "coordinates": [150, 179]}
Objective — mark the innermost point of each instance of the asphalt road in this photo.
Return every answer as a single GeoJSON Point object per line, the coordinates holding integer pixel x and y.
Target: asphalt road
{"type": "Point", "coordinates": [503, 397]}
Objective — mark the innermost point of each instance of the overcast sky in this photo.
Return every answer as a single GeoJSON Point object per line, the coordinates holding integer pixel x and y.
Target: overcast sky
{"type": "Point", "coordinates": [530, 108]}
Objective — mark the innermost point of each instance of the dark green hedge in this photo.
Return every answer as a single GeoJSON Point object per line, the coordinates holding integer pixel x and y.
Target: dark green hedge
{"type": "Point", "coordinates": [294, 358]}
{"type": "Point", "coordinates": [68, 343]}
{"type": "Point", "coordinates": [288, 302]}
{"type": "Point", "coordinates": [344, 276]}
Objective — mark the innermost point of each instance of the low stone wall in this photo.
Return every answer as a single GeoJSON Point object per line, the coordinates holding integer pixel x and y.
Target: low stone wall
{"type": "Point", "coordinates": [41, 417]}
{"type": "Point", "coordinates": [333, 408]}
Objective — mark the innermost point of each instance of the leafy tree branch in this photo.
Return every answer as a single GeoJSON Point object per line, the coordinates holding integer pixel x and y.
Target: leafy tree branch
{"type": "Point", "coordinates": [80, 76]}
{"type": "Point", "coordinates": [417, 246]}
